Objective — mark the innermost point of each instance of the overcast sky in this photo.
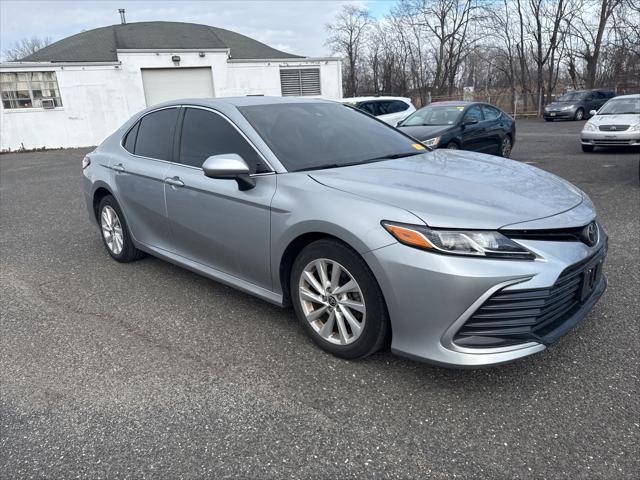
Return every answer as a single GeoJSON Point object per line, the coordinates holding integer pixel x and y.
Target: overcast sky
{"type": "Point", "coordinates": [293, 26]}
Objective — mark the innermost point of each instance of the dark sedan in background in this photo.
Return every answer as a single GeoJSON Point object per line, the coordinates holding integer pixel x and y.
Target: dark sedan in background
{"type": "Point", "coordinates": [462, 125]}
{"type": "Point", "coordinates": [576, 105]}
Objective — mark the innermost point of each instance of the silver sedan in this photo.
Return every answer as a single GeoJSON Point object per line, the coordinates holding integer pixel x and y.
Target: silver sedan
{"type": "Point", "coordinates": [456, 258]}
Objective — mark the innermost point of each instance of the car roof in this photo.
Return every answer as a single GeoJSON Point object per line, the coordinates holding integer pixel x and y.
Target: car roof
{"type": "Point", "coordinates": [240, 101]}
{"type": "Point", "coordinates": [368, 99]}
{"type": "Point", "coordinates": [454, 103]}
{"type": "Point", "coordinates": [632, 96]}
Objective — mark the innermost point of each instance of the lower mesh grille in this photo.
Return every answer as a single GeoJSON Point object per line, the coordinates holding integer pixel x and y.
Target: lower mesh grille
{"type": "Point", "coordinates": [520, 316]}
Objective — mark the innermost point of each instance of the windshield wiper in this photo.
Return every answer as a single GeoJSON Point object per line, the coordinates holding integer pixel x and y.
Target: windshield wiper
{"type": "Point", "coordinates": [396, 156]}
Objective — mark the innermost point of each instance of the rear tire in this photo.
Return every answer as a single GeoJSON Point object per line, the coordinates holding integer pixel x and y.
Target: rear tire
{"type": "Point", "coordinates": [505, 147]}
{"type": "Point", "coordinates": [115, 233]}
{"type": "Point", "coordinates": [320, 300]}
{"type": "Point", "coordinates": [587, 148]}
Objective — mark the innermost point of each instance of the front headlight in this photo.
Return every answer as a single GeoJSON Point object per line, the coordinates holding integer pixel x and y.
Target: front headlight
{"type": "Point", "coordinates": [635, 128]}
{"type": "Point", "coordinates": [568, 107]}
{"type": "Point", "coordinates": [458, 242]}
{"type": "Point", "coordinates": [432, 142]}
{"type": "Point", "coordinates": [589, 127]}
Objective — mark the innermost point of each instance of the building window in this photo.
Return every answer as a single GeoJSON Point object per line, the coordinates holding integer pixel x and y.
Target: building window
{"type": "Point", "coordinates": [300, 81]}
{"type": "Point", "coordinates": [29, 89]}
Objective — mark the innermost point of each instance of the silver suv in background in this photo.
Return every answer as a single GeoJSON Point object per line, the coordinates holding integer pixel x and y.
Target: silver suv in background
{"type": "Point", "coordinates": [390, 110]}
{"type": "Point", "coordinates": [453, 257]}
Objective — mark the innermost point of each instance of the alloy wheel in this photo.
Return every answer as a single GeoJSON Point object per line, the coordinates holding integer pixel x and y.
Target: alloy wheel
{"type": "Point", "coordinates": [579, 114]}
{"type": "Point", "coordinates": [332, 301]}
{"type": "Point", "coordinates": [506, 147]}
{"type": "Point", "coordinates": [112, 230]}
{"type": "Point", "coordinates": [452, 146]}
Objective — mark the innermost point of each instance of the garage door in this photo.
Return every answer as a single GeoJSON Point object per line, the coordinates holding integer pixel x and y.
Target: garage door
{"type": "Point", "coordinates": [162, 84]}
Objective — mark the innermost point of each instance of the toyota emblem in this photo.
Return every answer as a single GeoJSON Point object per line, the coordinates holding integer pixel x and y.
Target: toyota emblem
{"type": "Point", "coordinates": [590, 234]}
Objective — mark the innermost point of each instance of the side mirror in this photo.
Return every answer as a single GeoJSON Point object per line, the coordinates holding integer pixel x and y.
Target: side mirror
{"type": "Point", "coordinates": [593, 112]}
{"type": "Point", "coordinates": [229, 166]}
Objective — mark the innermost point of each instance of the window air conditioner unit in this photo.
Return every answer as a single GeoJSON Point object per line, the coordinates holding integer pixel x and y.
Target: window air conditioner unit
{"type": "Point", "coordinates": [48, 103]}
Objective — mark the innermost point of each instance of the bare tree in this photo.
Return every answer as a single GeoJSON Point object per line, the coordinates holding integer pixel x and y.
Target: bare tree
{"type": "Point", "coordinates": [25, 47]}
{"type": "Point", "coordinates": [347, 37]}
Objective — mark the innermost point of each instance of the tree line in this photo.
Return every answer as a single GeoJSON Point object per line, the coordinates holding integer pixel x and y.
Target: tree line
{"type": "Point", "coordinates": [522, 51]}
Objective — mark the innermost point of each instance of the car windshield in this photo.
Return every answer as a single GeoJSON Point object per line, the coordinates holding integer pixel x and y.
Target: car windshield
{"type": "Point", "coordinates": [621, 106]}
{"type": "Point", "coordinates": [435, 115]}
{"type": "Point", "coordinates": [306, 136]}
{"type": "Point", "coordinates": [570, 97]}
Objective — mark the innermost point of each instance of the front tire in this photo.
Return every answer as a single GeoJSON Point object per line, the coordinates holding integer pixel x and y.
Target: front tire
{"type": "Point", "coordinates": [338, 301]}
{"type": "Point", "coordinates": [579, 115]}
{"type": "Point", "coordinates": [115, 233]}
{"type": "Point", "coordinates": [453, 146]}
{"type": "Point", "coordinates": [587, 148]}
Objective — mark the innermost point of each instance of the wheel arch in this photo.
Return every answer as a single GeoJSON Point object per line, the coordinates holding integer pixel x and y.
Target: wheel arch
{"type": "Point", "coordinates": [101, 190]}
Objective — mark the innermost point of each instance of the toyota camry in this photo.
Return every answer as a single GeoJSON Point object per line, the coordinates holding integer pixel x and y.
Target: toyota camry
{"type": "Point", "coordinates": [452, 257]}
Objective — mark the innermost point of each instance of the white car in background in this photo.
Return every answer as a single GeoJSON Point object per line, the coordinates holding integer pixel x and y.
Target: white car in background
{"type": "Point", "coordinates": [388, 109]}
{"type": "Point", "coordinates": [616, 124]}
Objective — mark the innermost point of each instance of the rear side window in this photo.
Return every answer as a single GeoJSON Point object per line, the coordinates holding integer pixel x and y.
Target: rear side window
{"type": "Point", "coordinates": [206, 133]}
{"type": "Point", "coordinates": [130, 141]}
{"type": "Point", "coordinates": [396, 106]}
{"type": "Point", "coordinates": [155, 134]}
{"type": "Point", "coordinates": [370, 107]}
{"type": "Point", "coordinates": [474, 113]}
{"type": "Point", "coordinates": [490, 113]}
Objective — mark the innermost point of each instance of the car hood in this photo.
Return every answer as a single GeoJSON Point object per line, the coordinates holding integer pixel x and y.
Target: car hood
{"type": "Point", "coordinates": [458, 189]}
{"type": "Point", "coordinates": [628, 119]}
{"type": "Point", "coordinates": [425, 132]}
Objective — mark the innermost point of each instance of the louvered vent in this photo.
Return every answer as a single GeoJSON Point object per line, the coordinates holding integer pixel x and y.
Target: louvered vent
{"type": "Point", "coordinates": [300, 82]}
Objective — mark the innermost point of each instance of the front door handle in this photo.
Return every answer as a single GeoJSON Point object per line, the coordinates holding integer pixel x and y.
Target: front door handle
{"type": "Point", "coordinates": [118, 168]}
{"type": "Point", "coordinates": [174, 182]}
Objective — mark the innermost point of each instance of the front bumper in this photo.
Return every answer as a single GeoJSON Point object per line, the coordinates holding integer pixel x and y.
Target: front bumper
{"type": "Point", "coordinates": [564, 114]}
{"type": "Point", "coordinates": [430, 297]}
{"type": "Point", "coordinates": [597, 138]}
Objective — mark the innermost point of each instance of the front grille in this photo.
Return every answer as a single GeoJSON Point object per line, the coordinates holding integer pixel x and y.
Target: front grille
{"type": "Point", "coordinates": [613, 128]}
{"type": "Point", "coordinates": [511, 317]}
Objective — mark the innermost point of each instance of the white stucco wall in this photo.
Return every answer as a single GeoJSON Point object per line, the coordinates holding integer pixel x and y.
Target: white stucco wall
{"type": "Point", "coordinates": [97, 99]}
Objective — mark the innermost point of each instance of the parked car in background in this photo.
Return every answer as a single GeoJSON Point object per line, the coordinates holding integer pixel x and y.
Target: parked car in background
{"type": "Point", "coordinates": [616, 124]}
{"type": "Point", "coordinates": [576, 105]}
{"type": "Point", "coordinates": [452, 257]}
{"type": "Point", "coordinates": [462, 125]}
{"type": "Point", "coordinates": [388, 109]}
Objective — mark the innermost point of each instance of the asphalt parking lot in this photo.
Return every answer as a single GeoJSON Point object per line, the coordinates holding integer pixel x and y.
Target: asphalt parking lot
{"type": "Point", "coordinates": [146, 370]}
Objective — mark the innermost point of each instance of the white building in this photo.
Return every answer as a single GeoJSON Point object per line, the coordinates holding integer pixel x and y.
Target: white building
{"type": "Point", "coordinates": [75, 92]}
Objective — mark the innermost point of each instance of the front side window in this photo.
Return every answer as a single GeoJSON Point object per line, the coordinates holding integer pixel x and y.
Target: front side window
{"type": "Point", "coordinates": [306, 136]}
{"type": "Point", "coordinates": [370, 107]}
{"type": "Point", "coordinates": [155, 134]}
{"type": "Point", "coordinates": [205, 134]}
{"type": "Point", "coordinates": [29, 90]}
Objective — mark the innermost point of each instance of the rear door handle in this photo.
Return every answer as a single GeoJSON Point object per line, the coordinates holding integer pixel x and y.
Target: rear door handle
{"type": "Point", "coordinates": [118, 168]}
{"type": "Point", "coordinates": [174, 182]}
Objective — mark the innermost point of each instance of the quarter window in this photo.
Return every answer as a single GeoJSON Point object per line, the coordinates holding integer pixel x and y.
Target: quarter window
{"type": "Point", "coordinates": [206, 133]}
{"type": "Point", "coordinates": [29, 90]}
{"type": "Point", "coordinates": [396, 106]}
{"type": "Point", "coordinates": [155, 134]}
{"type": "Point", "coordinates": [130, 141]}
